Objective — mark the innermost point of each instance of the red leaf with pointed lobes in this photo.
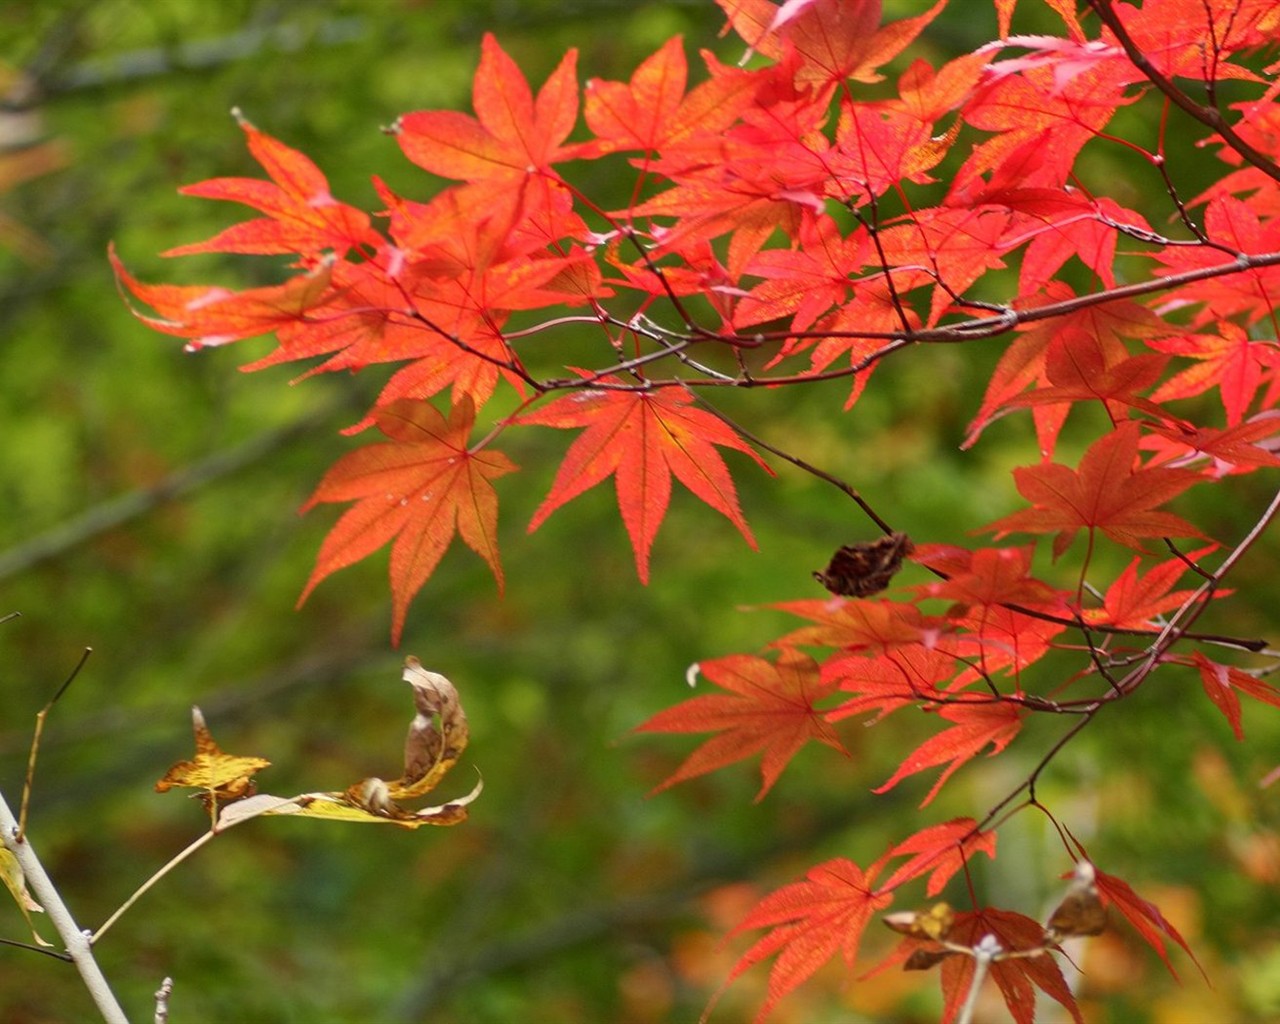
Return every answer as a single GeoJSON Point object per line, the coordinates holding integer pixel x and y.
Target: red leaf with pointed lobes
{"type": "Point", "coordinates": [768, 708]}
{"type": "Point", "coordinates": [978, 725]}
{"type": "Point", "coordinates": [1133, 601]}
{"type": "Point", "coordinates": [1234, 450]}
{"type": "Point", "coordinates": [986, 577]}
{"type": "Point", "coordinates": [512, 134]}
{"type": "Point", "coordinates": [302, 215]}
{"type": "Point", "coordinates": [1023, 362]}
{"type": "Point", "coordinates": [1230, 361]}
{"type": "Point", "coordinates": [642, 439]}
{"type": "Point", "coordinates": [886, 682]}
{"type": "Point", "coordinates": [420, 489]}
{"type": "Point", "coordinates": [941, 851]}
{"type": "Point", "coordinates": [1079, 369]}
{"type": "Point", "coordinates": [836, 39]}
{"type": "Point", "coordinates": [652, 112]}
{"type": "Point", "coordinates": [209, 316]}
{"type": "Point", "coordinates": [1221, 683]}
{"type": "Point", "coordinates": [859, 624]}
{"type": "Point", "coordinates": [810, 921]}
{"type": "Point", "coordinates": [1017, 978]}
{"type": "Point", "coordinates": [1143, 915]}
{"type": "Point", "coordinates": [1107, 493]}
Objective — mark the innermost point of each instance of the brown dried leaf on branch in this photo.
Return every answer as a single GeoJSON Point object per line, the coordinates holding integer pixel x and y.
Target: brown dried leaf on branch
{"type": "Point", "coordinates": [437, 736]}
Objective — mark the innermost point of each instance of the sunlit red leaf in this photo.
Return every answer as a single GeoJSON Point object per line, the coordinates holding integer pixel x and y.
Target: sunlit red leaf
{"type": "Point", "coordinates": [642, 438]}
{"type": "Point", "coordinates": [769, 708]}
{"type": "Point", "coordinates": [977, 726]}
{"type": "Point", "coordinates": [940, 851]}
{"type": "Point", "coordinates": [1107, 493]}
{"type": "Point", "coordinates": [302, 215]}
{"type": "Point", "coordinates": [511, 134]}
{"type": "Point", "coordinates": [809, 922]}
{"type": "Point", "coordinates": [419, 489]}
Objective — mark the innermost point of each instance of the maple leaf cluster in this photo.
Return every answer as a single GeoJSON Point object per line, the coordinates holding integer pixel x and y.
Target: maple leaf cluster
{"type": "Point", "coordinates": [793, 219]}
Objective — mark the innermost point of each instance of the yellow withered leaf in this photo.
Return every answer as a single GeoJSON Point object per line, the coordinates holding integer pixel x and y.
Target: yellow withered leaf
{"type": "Point", "coordinates": [225, 777]}
{"type": "Point", "coordinates": [16, 883]}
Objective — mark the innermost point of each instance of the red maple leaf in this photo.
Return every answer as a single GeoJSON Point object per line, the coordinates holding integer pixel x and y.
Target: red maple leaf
{"type": "Point", "coordinates": [855, 624]}
{"type": "Point", "coordinates": [420, 489]}
{"type": "Point", "coordinates": [1023, 362]}
{"type": "Point", "coordinates": [985, 577]}
{"type": "Point", "coordinates": [1016, 976]}
{"type": "Point", "coordinates": [209, 316]}
{"type": "Point", "coordinates": [302, 215]}
{"type": "Point", "coordinates": [1223, 685]}
{"type": "Point", "coordinates": [978, 725]}
{"type": "Point", "coordinates": [1132, 601]}
{"type": "Point", "coordinates": [769, 708]}
{"type": "Point", "coordinates": [837, 40]}
{"type": "Point", "coordinates": [642, 438]}
{"type": "Point", "coordinates": [886, 682]}
{"type": "Point", "coordinates": [1252, 293]}
{"type": "Point", "coordinates": [1106, 493]}
{"type": "Point", "coordinates": [1144, 915]}
{"type": "Point", "coordinates": [941, 850]}
{"type": "Point", "coordinates": [1234, 450]}
{"type": "Point", "coordinates": [810, 920]}
{"type": "Point", "coordinates": [652, 111]}
{"type": "Point", "coordinates": [512, 132]}
{"type": "Point", "coordinates": [1230, 361]}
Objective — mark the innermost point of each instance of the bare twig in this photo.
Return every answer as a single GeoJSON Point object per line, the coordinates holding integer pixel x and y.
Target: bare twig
{"type": "Point", "coordinates": [35, 742]}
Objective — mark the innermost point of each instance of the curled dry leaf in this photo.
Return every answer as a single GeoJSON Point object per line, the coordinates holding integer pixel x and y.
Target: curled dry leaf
{"type": "Point", "coordinates": [437, 737]}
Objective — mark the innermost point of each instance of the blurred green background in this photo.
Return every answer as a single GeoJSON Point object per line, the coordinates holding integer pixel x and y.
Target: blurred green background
{"type": "Point", "coordinates": [149, 503]}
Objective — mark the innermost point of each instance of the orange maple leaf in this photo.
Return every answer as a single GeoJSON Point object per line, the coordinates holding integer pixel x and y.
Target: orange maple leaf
{"type": "Point", "coordinates": [301, 214]}
{"type": "Point", "coordinates": [652, 111]}
{"type": "Point", "coordinates": [941, 851]}
{"type": "Point", "coordinates": [977, 725]}
{"type": "Point", "coordinates": [769, 708]}
{"type": "Point", "coordinates": [810, 920]}
{"type": "Point", "coordinates": [1107, 493]}
{"type": "Point", "coordinates": [643, 438]}
{"type": "Point", "coordinates": [420, 489]}
{"type": "Point", "coordinates": [209, 316]}
{"type": "Point", "coordinates": [512, 131]}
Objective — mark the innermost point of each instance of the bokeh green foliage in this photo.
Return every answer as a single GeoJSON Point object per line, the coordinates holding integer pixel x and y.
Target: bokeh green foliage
{"type": "Point", "coordinates": [568, 896]}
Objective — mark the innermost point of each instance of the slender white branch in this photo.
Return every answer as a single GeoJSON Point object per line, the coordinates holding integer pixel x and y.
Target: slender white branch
{"type": "Point", "coordinates": [983, 954]}
{"type": "Point", "coordinates": [77, 942]}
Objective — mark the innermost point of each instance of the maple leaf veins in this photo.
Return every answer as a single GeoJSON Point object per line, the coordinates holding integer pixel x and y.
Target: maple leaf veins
{"type": "Point", "coordinates": [642, 437]}
{"type": "Point", "coordinates": [420, 488]}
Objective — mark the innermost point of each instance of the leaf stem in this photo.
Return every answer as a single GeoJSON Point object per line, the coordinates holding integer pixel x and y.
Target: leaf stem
{"type": "Point", "coordinates": [145, 886]}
